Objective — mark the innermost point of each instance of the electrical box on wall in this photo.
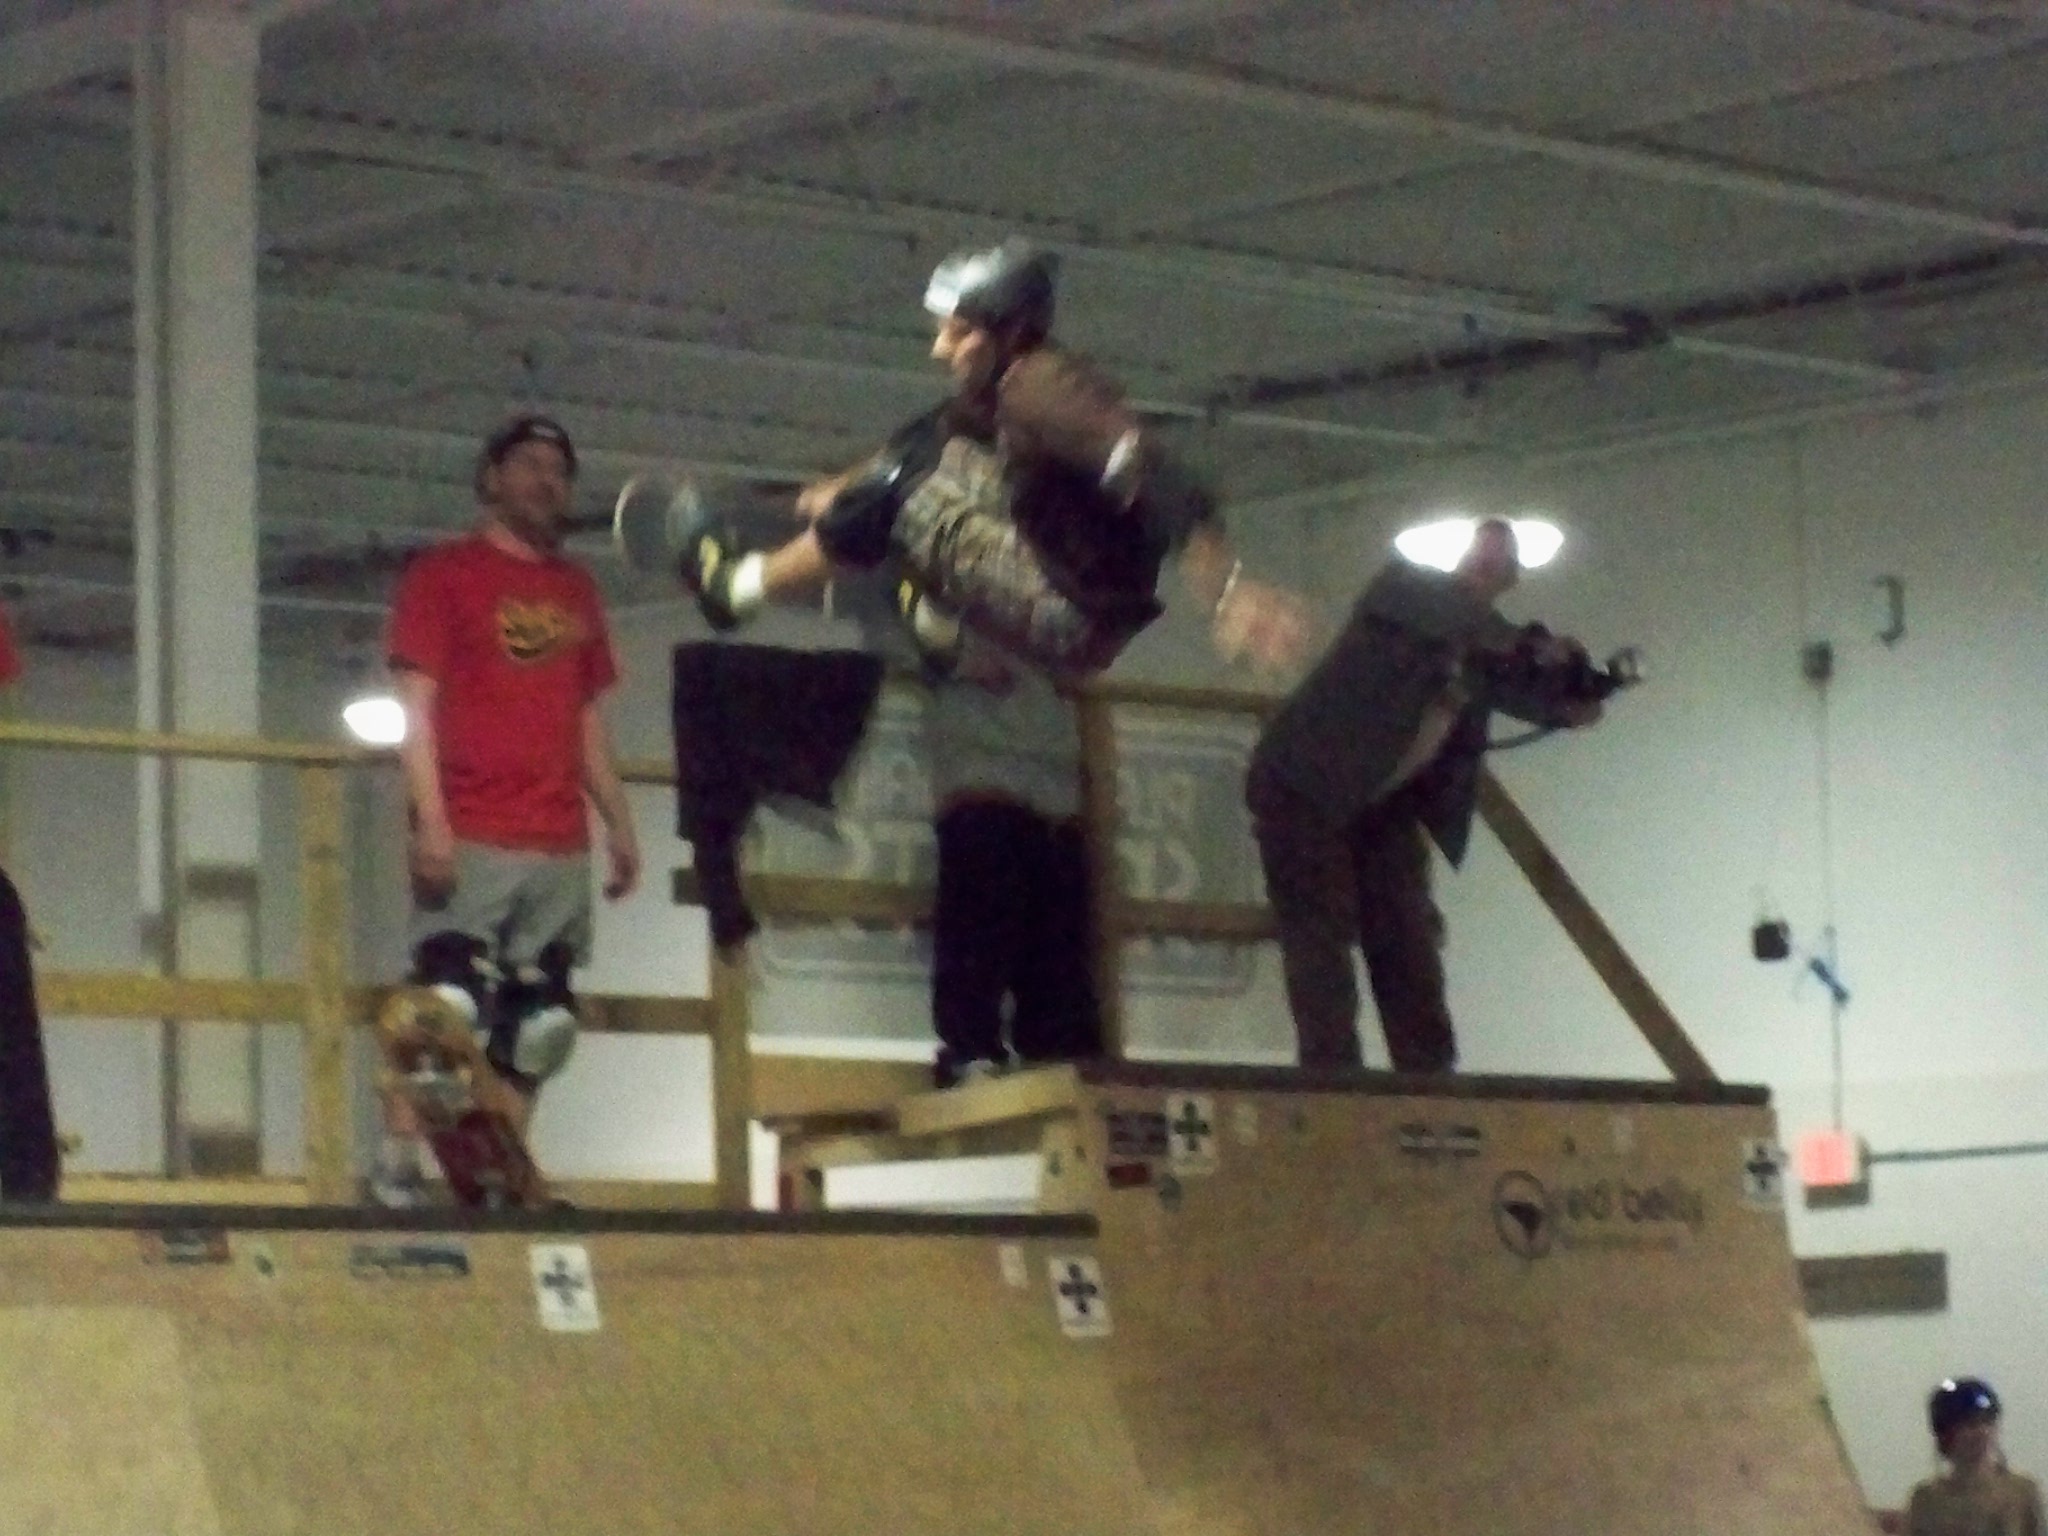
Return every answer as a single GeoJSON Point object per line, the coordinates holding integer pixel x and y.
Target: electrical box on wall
{"type": "Point", "coordinates": [1834, 1169]}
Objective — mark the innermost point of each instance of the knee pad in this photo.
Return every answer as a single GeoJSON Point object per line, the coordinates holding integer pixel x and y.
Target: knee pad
{"type": "Point", "coordinates": [535, 1030]}
{"type": "Point", "coordinates": [857, 527]}
{"type": "Point", "coordinates": [1172, 502]}
{"type": "Point", "coordinates": [457, 968]}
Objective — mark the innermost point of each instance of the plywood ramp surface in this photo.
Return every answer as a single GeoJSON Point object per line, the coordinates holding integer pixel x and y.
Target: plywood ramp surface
{"type": "Point", "coordinates": [1362, 1312]}
{"type": "Point", "coordinates": [786, 1384]}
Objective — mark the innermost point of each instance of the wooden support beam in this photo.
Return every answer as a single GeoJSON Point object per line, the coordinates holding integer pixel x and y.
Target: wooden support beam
{"type": "Point", "coordinates": [1211, 701]}
{"type": "Point", "coordinates": [1595, 940]}
{"type": "Point", "coordinates": [732, 1093]}
{"type": "Point", "coordinates": [1204, 922]}
{"type": "Point", "coordinates": [69, 994]}
{"type": "Point", "coordinates": [820, 898]}
{"type": "Point", "coordinates": [1025, 1095]}
{"type": "Point", "coordinates": [323, 930]}
{"type": "Point", "coordinates": [1099, 826]}
{"type": "Point", "coordinates": [790, 1087]}
{"type": "Point", "coordinates": [138, 1189]}
{"type": "Point", "coordinates": [230, 749]}
{"type": "Point", "coordinates": [648, 1015]}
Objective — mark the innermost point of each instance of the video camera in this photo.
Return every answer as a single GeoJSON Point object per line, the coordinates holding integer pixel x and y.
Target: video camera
{"type": "Point", "coordinates": [1571, 680]}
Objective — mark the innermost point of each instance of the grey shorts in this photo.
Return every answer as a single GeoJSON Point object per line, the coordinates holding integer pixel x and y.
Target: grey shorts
{"type": "Point", "coordinates": [518, 903]}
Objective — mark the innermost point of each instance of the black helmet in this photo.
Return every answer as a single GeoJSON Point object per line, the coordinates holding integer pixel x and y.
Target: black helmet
{"type": "Point", "coordinates": [1958, 1401]}
{"type": "Point", "coordinates": [1006, 287]}
{"type": "Point", "coordinates": [523, 429]}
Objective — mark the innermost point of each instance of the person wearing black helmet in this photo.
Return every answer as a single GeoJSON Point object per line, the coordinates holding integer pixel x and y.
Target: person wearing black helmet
{"type": "Point", "coordinates": [1033, 505]}
{"type": "Point", "coordinates": [1978, 1495]}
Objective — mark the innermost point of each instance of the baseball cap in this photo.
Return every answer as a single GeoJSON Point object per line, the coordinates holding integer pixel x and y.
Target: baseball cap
{"type": "Point", "coordinates": [523, 429]}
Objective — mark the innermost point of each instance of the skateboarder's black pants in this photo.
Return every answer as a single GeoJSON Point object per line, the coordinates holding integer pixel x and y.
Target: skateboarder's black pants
{"type": "Point", "coordinates": [1011, 921]}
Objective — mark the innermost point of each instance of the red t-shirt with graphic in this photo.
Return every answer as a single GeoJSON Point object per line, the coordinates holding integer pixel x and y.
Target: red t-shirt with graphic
{"type": "Point", "coordinates": [516, 648]}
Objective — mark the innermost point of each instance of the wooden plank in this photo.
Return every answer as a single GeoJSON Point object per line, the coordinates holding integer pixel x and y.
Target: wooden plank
{"type": "Point", "coordinates": [1204, 922]}
{"type": "Point", "coordinates": [1225, 701]}
{"type": "Point", "coordinates": [148, 1189]}
{"type": "Point", "coordinates": [803, 1085]}
{"type": "Point", "coordinates": [648, 1015]}
{"type": "Point", "coordinates": [1099, 826]}
{"type": "Point", "coordinates": [647, 770]}
{"type": "Point", "coordinates": [235, 749]}
{"type": "Point", "coordinates": [819, 898]}
{"type": "Point", "coordinates": [323, 946]}
{"type": "Point", "coordinates": [636, 1194]}
{"type": "Point", "coordinates": [1874, 1284]}
{"type": "Point", "coordinates": [1629, 987]}
{"type": "Point", "coordinates": [823, 1123]}
{"type": "Point", "coordinates": [111, 995]}
{"type": "Point", "coordinates": [1019, 1096]}
{"type": "Point", "coordinates": [732, 1092]}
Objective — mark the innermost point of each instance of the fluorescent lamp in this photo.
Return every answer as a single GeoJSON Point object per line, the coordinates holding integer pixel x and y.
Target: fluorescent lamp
{"type": "Point", "coordinates": [1441, 543]}
{"type": "Point", "coordinates": [375, 719]}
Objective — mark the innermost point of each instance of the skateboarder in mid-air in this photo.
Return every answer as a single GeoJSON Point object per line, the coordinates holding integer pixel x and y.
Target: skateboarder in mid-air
{"type": "Point", "coordinates": [1033, 505]}
{"type": "Point", "coordinates": [501, 655]}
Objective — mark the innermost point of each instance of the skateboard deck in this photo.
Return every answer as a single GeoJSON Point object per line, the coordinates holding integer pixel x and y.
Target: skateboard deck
{"type": "Point", "coordinates": [434, 1063]}
{"type": "Point", "coordinates": [29, 1162]}
{"type": "Point", "coordinates": [654, 520]}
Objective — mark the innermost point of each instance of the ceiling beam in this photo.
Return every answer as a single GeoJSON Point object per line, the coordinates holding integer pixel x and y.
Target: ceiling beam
{"type": "Point", "coordinates": [922, 379]}
{"type": "Point", "coordinates": [501, 170]}
{"type": "Point", "coordinates": [1656, 435]}
{"type": "Point", "coordinates": [1946, 53]}
{"type": "Point", "coordinates": [47, 57]}
{"type": "Point", "coordinates": [1190, 81]}
{"type": "Point", "coordinates": [1389, 300]}
{"type": "Point", "coordinates": [89, 42]}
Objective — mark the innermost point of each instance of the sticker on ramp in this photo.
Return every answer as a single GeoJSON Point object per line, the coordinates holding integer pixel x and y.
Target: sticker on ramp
{"type": "Point", "coordinates": [409, 1261]}
{"type": "Point", "coordinates": [1763, 1175]}
{"type": "Point", "coordinates": [1010, 1261]}
{"type": "Point", "coordinates": [563, 1286]}
{"type": "Point", "coordinates": [1078, 1296]}
{"type": "Point", "coordinates": [1136, 1134]}
{"type": "Point", "coordinates": [1440, 1143]}
{"type": "Point", "coordinates": [1191, 1133]}
{"type": "Point", "coordinates": [186, 1245]}
{"type": "Point", "coordinates": [1244, 1122]}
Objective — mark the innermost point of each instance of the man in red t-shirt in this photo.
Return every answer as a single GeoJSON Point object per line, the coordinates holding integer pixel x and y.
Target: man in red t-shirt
{"type": "Point", "coordinates": [499, 647]}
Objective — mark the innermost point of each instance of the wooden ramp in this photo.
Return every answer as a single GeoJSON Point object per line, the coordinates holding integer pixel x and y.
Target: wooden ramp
{"type": "Point", "coordinates": [276, 1374]}
{"type": "Point", "coordinates": [1509, 1308]}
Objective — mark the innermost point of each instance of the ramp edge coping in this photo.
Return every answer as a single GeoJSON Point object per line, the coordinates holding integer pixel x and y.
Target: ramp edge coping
{"type": "Point", "coordinates": [1233, 1079]}
{"type": "Point", "coordinates": [453, 1221]}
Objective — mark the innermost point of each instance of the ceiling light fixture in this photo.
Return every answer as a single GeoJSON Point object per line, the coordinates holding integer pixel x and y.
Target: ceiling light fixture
{"type": "Point", "coordinates": [1442, 541]}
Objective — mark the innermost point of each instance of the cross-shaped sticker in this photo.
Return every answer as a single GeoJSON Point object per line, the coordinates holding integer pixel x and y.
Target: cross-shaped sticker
{"type": "Point", "coordinates": [1191, 1128]}
{"type": "Point", "coordinates": [1079, 1298]}
{"type": "Point", "coordinates": [1763, 1175]}
{"type": "Point", "coordinates": [563, 1286]}
{"type": "Point", "coordinates": [566, 1286]}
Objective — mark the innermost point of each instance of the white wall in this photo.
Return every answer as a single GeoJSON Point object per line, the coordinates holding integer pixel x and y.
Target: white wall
{"type": "Point", "coordinates": [1703, 789]}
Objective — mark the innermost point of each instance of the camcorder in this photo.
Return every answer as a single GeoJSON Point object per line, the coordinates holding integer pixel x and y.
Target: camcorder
{"type": "Point", "coordinates": [1571, 679]}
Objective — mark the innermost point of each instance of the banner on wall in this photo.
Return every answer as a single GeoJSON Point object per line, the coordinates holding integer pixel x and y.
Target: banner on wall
{"type": "Point", "coordinates": [1184, 836]}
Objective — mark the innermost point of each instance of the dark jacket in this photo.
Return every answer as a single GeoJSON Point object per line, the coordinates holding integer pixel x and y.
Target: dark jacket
{"type": "Point", "coordinates": [1340, 735]}
{"type": "Point", "coordinates": [752, 723]}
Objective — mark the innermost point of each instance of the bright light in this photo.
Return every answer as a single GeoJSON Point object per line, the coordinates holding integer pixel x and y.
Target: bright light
{"type": "Point", "coordinates": [1537, 541]}
{"type": "Point", "coordinates": [1442, 543]}
{"type": "Point", "coordinates": [376, 720]}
